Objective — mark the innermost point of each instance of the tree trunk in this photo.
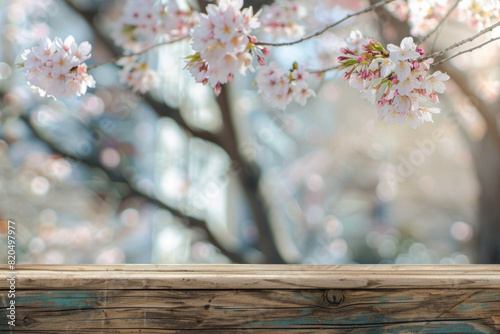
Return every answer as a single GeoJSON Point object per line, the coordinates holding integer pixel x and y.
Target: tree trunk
{"type": "Point", "coordinates": [487, 161]}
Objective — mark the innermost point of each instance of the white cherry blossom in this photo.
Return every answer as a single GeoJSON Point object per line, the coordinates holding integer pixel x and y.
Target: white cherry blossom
{"type": "Point", "coordinates": [279, 89]}
{"type": "Point", "coordinates": [222, 43]}
{"type": "Point", "coordinates": [138, 75]}
{"type": "Point", "coordinates": [405, 51]}
{"type": "Point", "coordinates": [56, 68]}
{"type": "Point", "coordinates": [398, 81]}
{"type": "Point", "coordinates": [434, 82]}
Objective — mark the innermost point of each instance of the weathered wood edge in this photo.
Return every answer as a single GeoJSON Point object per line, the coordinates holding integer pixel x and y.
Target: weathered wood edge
{"type": "Point", "coordinates": [259, 267]}
{"type": "Point", "coordinates": [188, 277]}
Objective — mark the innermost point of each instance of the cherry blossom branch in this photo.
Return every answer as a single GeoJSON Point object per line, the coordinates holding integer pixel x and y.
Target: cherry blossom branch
{"type": "Point", "coordinates": [368, 9]}
{"type": "Point", "coordinates": [457, 44]}
{"type": "Point", "coordinates": [248, 173]}
{"type": "Point", "coordinates": [423, 39]}
{"type": "Point", "coordinates": [465, 51]}
{"type": "Point", "coordinates": [161, 109]}
{"type": "Point", "coordinates": [114, 60]}
{"type": "Point", "coordinates": [324, 70]}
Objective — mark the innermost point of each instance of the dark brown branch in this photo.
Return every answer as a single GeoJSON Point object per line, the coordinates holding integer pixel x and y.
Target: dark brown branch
{"type": "Point", "coordinates": [117, 177]}
{"type": "Point", "coordinates": [163, 110]}
{"type": "Point", "coordinates": [249, 176]}
{"type": "Point", "coordinates": [464, 84]}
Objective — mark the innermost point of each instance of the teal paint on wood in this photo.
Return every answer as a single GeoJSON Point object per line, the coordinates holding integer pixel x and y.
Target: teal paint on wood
{"type": "Point", "coordinates": [444, 327]}
{"type": "Point", "coordinates": [286, 322]}
{"type": "Point", "coordinates": [305, 296]}
{"type": "Point", "coordinates": [468, 307]}
{"type": "Point", "coordinates": [306, 312]}
{"type": "Point", "coordinates": [153, 300]}
{"type": "Point", "coordinates": [59, 299]}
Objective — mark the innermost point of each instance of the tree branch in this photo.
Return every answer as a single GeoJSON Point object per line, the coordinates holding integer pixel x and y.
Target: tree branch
{"type": "Point", "coordinates": [457, 44]}
{"type": "Point", "coordinates": [464, 84]}
{"type": "Point", "coordinates": [423, 39]}
{"type": "Point", "coordinates": [375, 6]}
{"type": "Point", "coordinates": [464, 51]}
{"type": "Point", "coordinates": [164, 110]}
{"type": "Point", "coordinates": [249, 175]}
{"type": "Point", "coordinates": [115, 59]}
{"type": "Point", "coordinates": [134, 191]}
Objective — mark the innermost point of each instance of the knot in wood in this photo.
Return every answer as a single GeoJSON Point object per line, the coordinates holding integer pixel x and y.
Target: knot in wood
{"type": "Point", "coordinates": [334, 297]}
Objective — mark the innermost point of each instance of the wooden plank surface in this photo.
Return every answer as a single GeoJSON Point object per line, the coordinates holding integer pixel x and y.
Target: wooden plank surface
{"type": "Point", "coordinates": [472, 310]}
{"type": "Point", "coordinates": [253, 277]}
{"type": "Point", "coordinates": [260, 298]}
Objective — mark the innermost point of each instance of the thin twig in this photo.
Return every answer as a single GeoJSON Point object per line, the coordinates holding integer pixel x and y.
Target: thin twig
{"type": "Point", "coordinates": [324, 70]}
{"type": "Point", "coordinates": [113, 60]}
{"type": "Point", "coordinates": [378, 4]}
{"type": "Point", "coordinates": [465, 51]}
{"type": "Point", "coordinates": [457, 44]}
{"type": "Point", "coordinates": [423, 39]}
{"type": "Point", "coordinates": [433, 46]}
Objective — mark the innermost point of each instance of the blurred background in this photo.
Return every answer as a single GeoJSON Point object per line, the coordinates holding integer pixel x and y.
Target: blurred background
{"type": "Point", "coordinates": [180, 176]}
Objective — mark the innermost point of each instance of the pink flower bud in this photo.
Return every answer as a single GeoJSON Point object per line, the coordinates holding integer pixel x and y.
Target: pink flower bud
{"type": "Point", "coordinates": [266, 51]}
{"type": "Point", "coordinates": [434, 98]}
{"type": "Point", "coordinates": [394, 80]}
{"type": "Point", "coordinates": [360, 59]}
{"type": "Point", "coordinates": [421, 52]}
{"type": "Point", "coordinates": [217, 89]}
{"type": "Point", "coordinates": [261, 60]}
{"type": "Point", "coordinates": [252, 39]}
{"type": "Point", "coordinates": [416, 64]}
{"type": "Point", "coordinates": [81, 69]}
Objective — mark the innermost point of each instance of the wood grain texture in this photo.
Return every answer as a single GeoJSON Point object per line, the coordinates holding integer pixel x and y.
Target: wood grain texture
{"type": "Point", "coordinates": [264, 299]}
{"type": "Point", "coordinates": [253, 277]}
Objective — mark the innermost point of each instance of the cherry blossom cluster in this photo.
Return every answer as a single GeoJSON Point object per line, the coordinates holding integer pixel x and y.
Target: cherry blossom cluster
{"type": "Point", "coordinates": [425, 15]}
{"type": "Point", "coordinates": [478, 14]}
{"type": "Point", "coordinates": [145, 22]}
{"type": "Point", "coordinates": [292, 19]}
{"type": "Point", "coordinates": [138, 75]}
{"type": "Point", "coordinates": [283, 20]}
{"type": "Point", "coordinates": [57, 68]}
{"type": "Point", "coordinates": [397, 81]}
{"type": "Point", "coordinates": [279, 88]}
{"type": "Point", "coordinates": [223, 44]}
{"type": "Point", "coordinates": [27, 15]}
{"type": "Point", "coordinates": [422, 15]}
